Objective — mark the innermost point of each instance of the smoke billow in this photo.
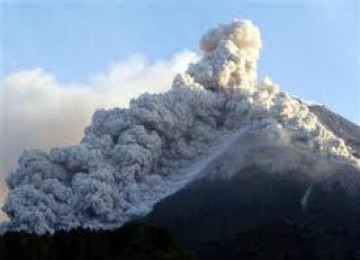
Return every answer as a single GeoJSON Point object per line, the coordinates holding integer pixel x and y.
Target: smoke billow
{"type": "Point", "coordinates": [131, 158]}
{"type": "Point", "coordinates": [41, 111]}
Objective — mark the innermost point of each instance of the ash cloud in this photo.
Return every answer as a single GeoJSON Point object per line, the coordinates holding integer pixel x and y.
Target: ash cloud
{"type": "Point", "coordinates": [131, 158]}
{"type": "Point", "coordinates": [39, 111]}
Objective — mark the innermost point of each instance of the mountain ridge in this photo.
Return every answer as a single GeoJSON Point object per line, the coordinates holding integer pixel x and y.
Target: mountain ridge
{"type": "Point", "coordinates": [336, 123]}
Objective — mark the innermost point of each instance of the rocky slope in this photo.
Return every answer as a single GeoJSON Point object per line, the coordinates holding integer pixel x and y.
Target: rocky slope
{"type": "Point", "coordinates": [340, 126]}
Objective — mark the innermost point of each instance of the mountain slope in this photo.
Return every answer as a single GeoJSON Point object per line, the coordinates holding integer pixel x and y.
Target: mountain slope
{"type": "Point", "coordinates": [256, 215]}
{"type": "Point", "coordinates": [340, 126]}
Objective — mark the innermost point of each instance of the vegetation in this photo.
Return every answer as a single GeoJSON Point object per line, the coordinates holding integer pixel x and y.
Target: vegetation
{"type": "Point", "coordinates": [138, 241]}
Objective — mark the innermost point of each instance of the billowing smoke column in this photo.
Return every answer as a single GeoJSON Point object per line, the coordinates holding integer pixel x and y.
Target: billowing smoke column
{"type": "Point", "coordinates": [131, 158]}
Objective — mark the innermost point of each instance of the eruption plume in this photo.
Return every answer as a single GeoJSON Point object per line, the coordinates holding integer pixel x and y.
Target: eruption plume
{"type": "Point", "coordinates": [129, 159]}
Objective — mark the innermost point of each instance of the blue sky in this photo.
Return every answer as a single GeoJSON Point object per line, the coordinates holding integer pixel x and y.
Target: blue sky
{"type": "Point", "coordinates": [311, 47]}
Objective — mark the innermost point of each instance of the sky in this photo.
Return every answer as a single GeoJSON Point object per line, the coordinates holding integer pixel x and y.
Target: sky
{"type": "Point", "coordinates": [61, 60]}
{"type": "Point", "coordinates": [311, 47]}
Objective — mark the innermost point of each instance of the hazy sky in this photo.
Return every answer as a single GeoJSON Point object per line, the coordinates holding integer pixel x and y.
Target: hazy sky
{"type": "Point", "coordinates": [57, 56]}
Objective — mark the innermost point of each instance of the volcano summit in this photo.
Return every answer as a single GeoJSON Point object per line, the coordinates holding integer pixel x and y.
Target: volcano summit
{"type": "Point", "coordinates": [217, 121]}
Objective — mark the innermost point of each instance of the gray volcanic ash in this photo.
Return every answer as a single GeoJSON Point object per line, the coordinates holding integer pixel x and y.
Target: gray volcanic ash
{"type": "Point", "coordinates": [129, 159]}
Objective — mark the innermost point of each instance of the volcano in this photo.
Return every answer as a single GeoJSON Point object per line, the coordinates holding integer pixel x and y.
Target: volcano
{"type": "Point", "coordinates": [227, 163]}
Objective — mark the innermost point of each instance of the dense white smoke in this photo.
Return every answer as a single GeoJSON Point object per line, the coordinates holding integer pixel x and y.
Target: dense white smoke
{"type": "Point", "coordinates": [41, 111]}
{"type": "Point", "coordinates": [131, 158]}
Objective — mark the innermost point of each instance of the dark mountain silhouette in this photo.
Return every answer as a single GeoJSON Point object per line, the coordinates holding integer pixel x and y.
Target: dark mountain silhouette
{"type": "Point", "coordinates": [260, 217]}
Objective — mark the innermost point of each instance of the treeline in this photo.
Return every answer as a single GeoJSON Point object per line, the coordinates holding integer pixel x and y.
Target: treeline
{"type": "Point", "coordinates": [131, 242]}
{"type": "Point", "coordinates": [143, 241]}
